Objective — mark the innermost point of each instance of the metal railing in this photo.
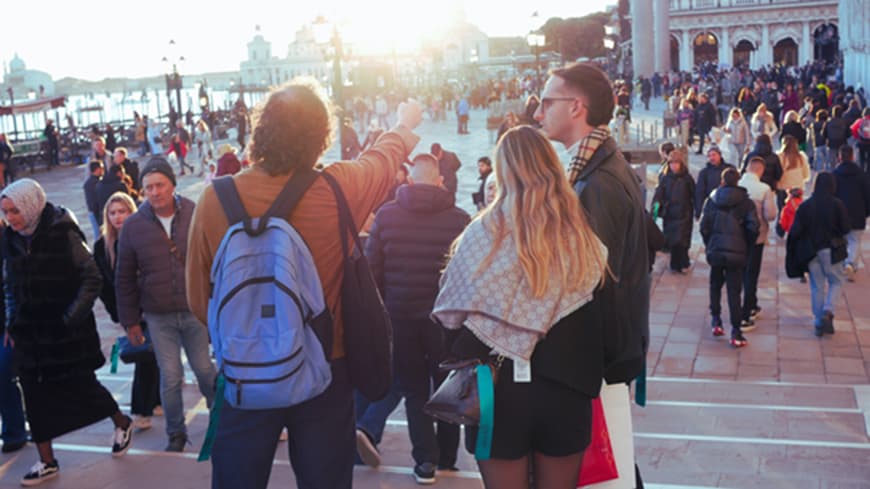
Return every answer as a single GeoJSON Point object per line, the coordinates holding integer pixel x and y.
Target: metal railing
{"type": "Point", "coordinates": [681, 5]}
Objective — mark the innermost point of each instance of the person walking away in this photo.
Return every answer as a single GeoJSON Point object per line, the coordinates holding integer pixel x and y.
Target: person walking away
{"type": "Point", "coordinates": [54, 334]}
{"type": "Point", "coordinates": [675, 197]}
{"type": "Point", "coordinates": [178, 147]}
{"type": "Point", "coordinates": [484, 170]}
{"type": "Point", "coordinates": [322, 428]}
{"type": "Point", "coordinates": [463, 109]}
{"type": "Point", "coordinates": [836, 131]}
{"type": "Point", "coordinates": [228, 162]}
{"type": "Point", "coordinates": [50, 133]}
{"type": "Point", "coordinates": [765, 207]}
{"type": "Point", "coordinates": [203, 143]}
{"type": "Point", "coordinates": [449, 166]}
{"type": "Point", "coordinates": [792, 127]}
{"type": "Point", "coordinates": [150, 286]}
{"type": "Point", "coordinates": [90, 189]}
{"type": "Point", "coordinates": [729, 226]}
{"type": "Point", "coordinates": [131, 167]}
{"type": "Point", "coordinates": [406, 247]}
{"type": "Point", "coordinates": [853, 188]}
{"type": "Point", "coordinates": [823, 222]}
{"type": "Point", "coordinates": [512, 254]}
{"type": "Point", "coordinates": [705, 119]}
{"type": "Point", "coordinates": [738, 132]}
{"type": "Point", "coordinates": [146, 376]}
{"type": "Point", "coordinates": [112, 182]}
{"type": "Point", "coordinates": [860, 131]}
{"type": "Point", "coordinates": [772, 166]}
{"type": "Point", "coordinates": [794, 200]}
{"type": "Point", "coordinates": [795, 171]}
{"type": "Point", "coordinates": [709, 178]}
{"type": "Point", "coordinates": [821, 156]}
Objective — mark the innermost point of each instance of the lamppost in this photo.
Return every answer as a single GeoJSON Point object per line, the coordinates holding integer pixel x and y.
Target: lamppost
{"type": "Point", "coordinates": [173, 77]}
{"type": "Point", "coordinates": [11, 93]}
{"type": "Point", "coordinates": [203, 97]}
{"type": "Point", "coordinates": [326, 32]}
{"type": "Point", "coordinates": [537, 41]}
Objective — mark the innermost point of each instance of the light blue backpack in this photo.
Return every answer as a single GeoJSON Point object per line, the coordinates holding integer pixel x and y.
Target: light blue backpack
{"type": "Point", "coordinates": [270, 328]}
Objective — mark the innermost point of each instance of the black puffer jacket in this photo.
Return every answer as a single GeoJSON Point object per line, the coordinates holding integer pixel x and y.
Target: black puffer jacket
{"type": "Point", "coordinates": [820, 218]}
{"type": "Point", "coordinates": [729, 224]}
{"type": "Point", "coordinates": [676, 197]}
{"type": "Point", "coordinates": [51, 285]}
{"type": "Point", "coordinates": [709, 179]}
{"type": "Point", "coordinates": [853, 188]}
{"type": "Point", "coordinates": [772, 167]}
{"type": "Point", "coordinates": [408, 245]}
{"type": "Point", "coordinates": [107, 271]}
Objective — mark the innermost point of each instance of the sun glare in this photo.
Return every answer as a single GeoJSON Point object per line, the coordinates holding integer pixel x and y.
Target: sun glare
{"type": "Point", "coordinates": [382, 26]}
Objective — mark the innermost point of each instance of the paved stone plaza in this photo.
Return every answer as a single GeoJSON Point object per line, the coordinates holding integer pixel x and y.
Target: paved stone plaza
{"type": "Point", "coordinates": [789, 411]}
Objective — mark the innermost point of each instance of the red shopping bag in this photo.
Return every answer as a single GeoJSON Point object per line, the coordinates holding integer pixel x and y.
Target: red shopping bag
{"type": "Point", "coordinates": [599, 462]}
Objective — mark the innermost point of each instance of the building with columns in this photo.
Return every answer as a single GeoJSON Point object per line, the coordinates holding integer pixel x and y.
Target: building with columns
{"type": "Point", "coordinates": [680, 34]}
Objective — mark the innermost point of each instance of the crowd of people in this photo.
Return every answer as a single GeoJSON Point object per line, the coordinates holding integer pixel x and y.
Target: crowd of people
{"type": "Point", "coordinates": [546, 286]}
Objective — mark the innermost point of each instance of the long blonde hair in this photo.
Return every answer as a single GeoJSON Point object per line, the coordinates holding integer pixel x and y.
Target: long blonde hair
{"type": "Point", "coordinates": [790, 154]}
{"type": "Point", "coordinates": [536, 205]}
{"type": "Point", "coordinates": [109, 233]}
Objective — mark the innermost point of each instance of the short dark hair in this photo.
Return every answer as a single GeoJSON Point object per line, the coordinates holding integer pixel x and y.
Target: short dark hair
{"type": "Point", "coordinates": [666, 147]}
{"type": "Point", "coordinates": [730, 177]}
{"type": "Point", "coordinates": [763, 139]}
{"type": "Point", "coordinates": [435, 148]}
{"type": "Point", "coordinates": [593, 84]}
{"type": "Point", "coordinates": [485, 159]}
{"type": "Point", "coordinates": [293, 128]}
{"type": "Point", "coordinates": [115, 169]}
{"type": "Point", "coordinates": [93, 165]}
{"type": "Point", "coordinates": [845, 152]}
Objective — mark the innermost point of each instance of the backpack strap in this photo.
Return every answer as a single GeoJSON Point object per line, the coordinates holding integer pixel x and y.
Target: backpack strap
{"type": "Point", "coordinates": [230, 200]}
{"type": "Point", "coordinates": [345, 218]}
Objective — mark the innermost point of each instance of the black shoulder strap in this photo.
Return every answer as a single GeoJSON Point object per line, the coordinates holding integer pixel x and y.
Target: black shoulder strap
{"type": "Point", "coordinates": [291, 194]}
{"type": "Point", "coordinates": [345, 218]}
{"type": "Point", "coordinates": [230, 200]}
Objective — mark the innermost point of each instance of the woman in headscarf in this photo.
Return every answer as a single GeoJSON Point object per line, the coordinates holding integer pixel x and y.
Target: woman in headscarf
{"type": "Point", "coordinates": [516, 286]}
{"type": "Point", "coordinates": [51, 283]}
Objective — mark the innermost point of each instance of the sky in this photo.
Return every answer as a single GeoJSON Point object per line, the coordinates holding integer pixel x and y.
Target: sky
{"type": "Point", "coordinates": [96, 39]}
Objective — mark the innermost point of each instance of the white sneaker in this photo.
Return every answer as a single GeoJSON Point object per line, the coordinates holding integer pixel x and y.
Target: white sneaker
{"type": "Point", "coordinates": [142, 423]}
{"type": "Point", "coordinates": [122, 439]}
{"type": "Point", "coordinates": [39, 473]}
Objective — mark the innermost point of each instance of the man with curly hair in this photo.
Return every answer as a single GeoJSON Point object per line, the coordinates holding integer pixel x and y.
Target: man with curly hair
{"type": "Point", "coordinates": [292, 130]}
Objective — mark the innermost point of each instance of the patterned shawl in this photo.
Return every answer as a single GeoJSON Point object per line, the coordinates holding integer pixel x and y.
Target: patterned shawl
{"type": "Point", "coordinates": [496, 303]}
{"type": "Point", "coordinates": [587, 148]}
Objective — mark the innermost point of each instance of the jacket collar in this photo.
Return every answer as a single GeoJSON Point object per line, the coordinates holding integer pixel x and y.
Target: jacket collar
{"type": "Point", "coordinates": [604, 151]}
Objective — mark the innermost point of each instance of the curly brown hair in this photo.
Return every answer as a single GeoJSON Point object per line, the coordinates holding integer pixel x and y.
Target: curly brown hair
{"type": "Point", "coordinates": [292, 128]}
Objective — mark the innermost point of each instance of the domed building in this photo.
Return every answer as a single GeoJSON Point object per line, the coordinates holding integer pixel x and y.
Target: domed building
{"type": "Point", "coordinates": [24, 82]}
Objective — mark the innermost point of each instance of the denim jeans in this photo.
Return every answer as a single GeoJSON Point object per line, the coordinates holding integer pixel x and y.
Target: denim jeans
{"type": "Point", "coordinates": [371, 416]}
{"type": "Point", "coordinates": [824, 274]}
{"type": "Point", "coordinates": [11, 409]}
{"type": "Point", "coordinates": [170, 333]}
{"type": "Point", "coordinates": [821, 158]}
{"type": "Point", "coordinates": [95, 224]}
{"type": "Point", "coordinates": [853, 246]}
{"type": "Point", "coordinates": [321, 441]}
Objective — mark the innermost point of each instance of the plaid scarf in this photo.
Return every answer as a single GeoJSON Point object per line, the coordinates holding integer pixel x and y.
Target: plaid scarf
{"type": "Point", "coordinates": [587, 148]}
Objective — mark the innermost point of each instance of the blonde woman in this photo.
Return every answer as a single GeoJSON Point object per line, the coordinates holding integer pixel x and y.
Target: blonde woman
{"type": "Point", "coordinates": [762, 122]}
{"type": "Point", "coordinates": [146, 376]}
{"type": "Point", "coordinates": [738, 132]}
{"type": "Point", "coordinates": [518, 285]}
{"type": "Point", "coordinates": [795, 169]}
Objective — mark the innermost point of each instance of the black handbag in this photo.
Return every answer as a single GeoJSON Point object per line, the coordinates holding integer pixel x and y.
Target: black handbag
{"type": "Point", "coordinates": [368, 333]}
{"type": "Point", "coordinates": [130, 353]}
{"type": "Point", "coordinates": [839, 249]}
{"type": "Point", "coordinates": [457, 400]}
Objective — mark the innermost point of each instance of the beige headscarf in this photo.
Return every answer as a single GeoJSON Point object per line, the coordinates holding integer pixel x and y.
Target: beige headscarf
{"type": "Point", "coordinates": [29, 197]}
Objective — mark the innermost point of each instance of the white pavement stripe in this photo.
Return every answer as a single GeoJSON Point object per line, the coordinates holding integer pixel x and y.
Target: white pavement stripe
{"type": "Point", "coordinates": [774, 383]}
{"type": "Point", "coordinates": [768, 407]}
{"type": "Point", "coordinates": [755, 441]}
{"type": "Point", "coordinates": [862, 396]}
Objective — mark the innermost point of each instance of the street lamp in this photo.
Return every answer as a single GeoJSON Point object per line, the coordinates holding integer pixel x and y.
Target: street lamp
{"type": "Point", "coordinates": [203, 97]}
{"type": "Point", "coordinates": [326, 32]}
{"type": "Point", "coordinates": [537, 41]}
{"type": "Point", "coordinates": [173, 77]}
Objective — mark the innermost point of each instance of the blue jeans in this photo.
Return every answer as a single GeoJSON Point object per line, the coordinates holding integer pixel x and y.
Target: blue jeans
{"type": "Point", "coordinates": [824, 274]}
{"type": "Point", "coordinates": [170, 332]}
{"type": "Point", "coordinates": [11, 409]}
{"type": "Point", "coordinates": [95, 224]}
{"type": "Point", "coordinates": [853, 246]}
{"type": "Point", "coordinates": [821, 158]}
{"type": "Point", "coordinates": [321, 443]}
{"type": "Point", "coordinates": [371, 417]}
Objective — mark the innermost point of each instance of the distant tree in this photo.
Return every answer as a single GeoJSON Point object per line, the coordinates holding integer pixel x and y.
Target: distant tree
{"type": "Point", "coordinates": [576, 37]}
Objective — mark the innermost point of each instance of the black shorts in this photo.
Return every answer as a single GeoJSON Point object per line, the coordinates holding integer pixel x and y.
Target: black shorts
{"type": "Point", "coordinates": [540, 416]}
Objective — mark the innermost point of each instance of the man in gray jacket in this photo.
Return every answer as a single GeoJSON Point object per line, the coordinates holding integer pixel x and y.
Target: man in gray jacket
{"type": "Point", "coordinates": [150, 285]}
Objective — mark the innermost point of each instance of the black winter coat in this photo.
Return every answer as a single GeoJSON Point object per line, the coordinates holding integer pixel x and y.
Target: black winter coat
{"type": "Point", "coordinates": [853, 188]}
{"type": "Point", "coordinates": [408, 245]}
{"type": "Point", "coordinates": [795, 130]}
{"type": "Point", "coordinates": [727, 240]}
{"type": "Point", "coordinates": [51, 284]}
{"type": "Point", "coordinates": [448, 165]}
{"type": "Point", "coordinates": [107, 271]}
{"type": "Point", "coordinates": [709, 179]}
{"type": "Point", "coordinates": [675, 195]}
{"type": "Point", "coordinates": [818, 219]}
{"type": "Point", "coordinates": [90, 189]}
{"type": "Point", "coordinates": [705, 117]}
{"type": "Point", "coordinates": [836, 132]}
{"type": "Point", "coordinates": [772, 167]}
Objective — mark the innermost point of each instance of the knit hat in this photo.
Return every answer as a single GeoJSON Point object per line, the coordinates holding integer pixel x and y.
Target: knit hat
{"type": "Point", "coordinates": [158, 164]}
{"type": "Point", "coordinates": [29, 198]}
{"type": "Point", "coordinates": [714, 148]}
